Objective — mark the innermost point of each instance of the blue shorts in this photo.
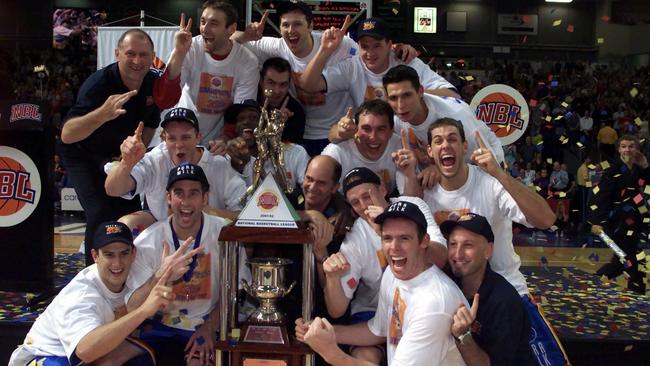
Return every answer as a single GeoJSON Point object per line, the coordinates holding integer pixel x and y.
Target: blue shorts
{"type": "Point", "coordinates": [545, 345]}
{"type": "Point", "coordinates": [361, 317]}
{"type": "Point", "coordinates": [156, 334]}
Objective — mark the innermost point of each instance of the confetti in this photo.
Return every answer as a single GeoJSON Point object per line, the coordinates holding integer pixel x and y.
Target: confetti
{"type": "Point", "coordinates": [637, 121]}
{"type": "Point", "coordinates": [469, 78]}
{"type": "Point", "coordinates": [564, 105]}
{"type": "Point", "coordinates": [600, 40]}
{"type": "Point", "coordinates": [640, 256]}
{"type": "Point", "coordinates": [596, 189]}
{"type": "Point", "coordinates": [548, 118]}
{"type": "Point", "coordinates": [630, 233]}
{"type": "Point", "coordinates": [604, 164]}
{"type": "Point", "coordinates": [395, 11]}
{"type": "Point", "coordinates": [646, 190]}
{"type": "Point", "coordinates": [579, 144]}
{"type": "Point", "coordinates": [593, 207]}
{"type": "Point", "coordinates": [557, 22]}
{"type": "Point", "coordinates": [549, 161]}
{"type": "Point", "coordinates": [634, 92]}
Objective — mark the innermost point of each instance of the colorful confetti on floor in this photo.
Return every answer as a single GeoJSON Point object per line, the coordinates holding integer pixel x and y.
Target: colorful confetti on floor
{"type": "Point", "coordinates": [581, 306]}
{"type": "Point", "coordinates": [13, 305]}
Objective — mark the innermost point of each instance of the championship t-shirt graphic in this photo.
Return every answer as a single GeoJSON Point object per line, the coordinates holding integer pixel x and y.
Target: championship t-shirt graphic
{"type": "Point", "coordinates": [374, 92]}
{"type": "Point", "coordinates": [396, 319]}
{"type": "Point", "coordinates": [215, 93]}
{"type": "Point", "coordinates": [199, 286]}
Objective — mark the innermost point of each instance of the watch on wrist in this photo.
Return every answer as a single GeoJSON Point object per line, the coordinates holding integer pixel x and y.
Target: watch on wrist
{"type": "Point", "coordinates": [464, 338]}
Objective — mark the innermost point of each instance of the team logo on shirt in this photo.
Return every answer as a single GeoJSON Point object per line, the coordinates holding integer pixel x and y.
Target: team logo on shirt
{"type": "Point", "coordinates": [20, 186]}
{"type": "Point", "coordinates": [267, 201]}
{"type": "Point", "coordinates": [504, 110]}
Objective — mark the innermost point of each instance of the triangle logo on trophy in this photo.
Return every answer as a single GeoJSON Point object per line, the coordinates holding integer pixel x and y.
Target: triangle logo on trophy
{"type": "Point", "coordinates": [268, 207]}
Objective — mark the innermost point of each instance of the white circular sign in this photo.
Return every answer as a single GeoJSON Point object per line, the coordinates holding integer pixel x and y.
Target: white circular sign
{"type": "Point", "coordinates": [20, 186]}
{"type": "Point", "coordinates": [504, 110]}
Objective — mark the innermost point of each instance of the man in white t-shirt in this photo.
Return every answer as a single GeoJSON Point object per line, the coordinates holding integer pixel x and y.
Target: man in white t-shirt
{"type": "Point", "coordinates": [373, 144]}
{"type": "Point", "coordinates": [298, 45]}
{"type": "Point", "coordinates": [353, 275]}
{"type": "Point", "coordinates": [139, 172]}
{"type": "Point", "coordinates": [87, 321]}
{"type": "Point", "coordinates": [194, 317]}
{"type": "Point", "coordinates": [488, 190]}
{"type": "Point", "coordinates": [362, 75]}
{"type": "Point", "coordinates": [416, 302]}
{"type": "Point", "coordinates": [216, 71]}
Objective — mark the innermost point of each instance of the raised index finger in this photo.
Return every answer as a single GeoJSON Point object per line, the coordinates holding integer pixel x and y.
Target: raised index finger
{"type": "Point", "coordinates": [479, 141]}
{"type": "Point", "coordinates": [263, 19]}
{"type": "Point", "coordinates": [138, 131]}
{"type": "Point", "coordinates": [188, 27]}
{"type": "Point", "coordinates": [405, 144]}
{"type": "Point", "coordinates": [474, 310]}
{"type": "Point", "coordinates": [346, 24]}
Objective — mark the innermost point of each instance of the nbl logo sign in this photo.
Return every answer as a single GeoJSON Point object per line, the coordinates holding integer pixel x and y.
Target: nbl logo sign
{"type": "Point", "coordinates": [504, 110]}
{"type": "Point", "coordinates": [20, 186]}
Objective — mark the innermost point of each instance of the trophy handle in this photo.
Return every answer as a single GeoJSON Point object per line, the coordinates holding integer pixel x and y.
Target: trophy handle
{"type": "Point", "coordinates": [290, 288]}
{"type": "Point", "coordinates": [247, 287]}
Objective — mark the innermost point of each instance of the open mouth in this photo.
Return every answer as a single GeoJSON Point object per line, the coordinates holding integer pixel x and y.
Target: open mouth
{"type": "Point", "coordinates": [116, 272]}
{"type": "Point", "coordinates": [181, 157]}
{"type": "Point", "coordinates": [447, 160]}
{"type": "Point", "coordinates": [186, 213]}
{"type": "Point", "coordinates": [293, 40]}
{"type": "Point", "coordinates": [398, 262]}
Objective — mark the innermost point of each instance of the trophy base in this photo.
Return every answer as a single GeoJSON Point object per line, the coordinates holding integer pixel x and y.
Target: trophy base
{"type": "Point", "coordinates": [261, 317]}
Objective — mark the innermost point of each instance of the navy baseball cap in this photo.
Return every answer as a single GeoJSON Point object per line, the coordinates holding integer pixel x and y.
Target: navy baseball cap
{"type": "Point", "coordinates": [373, 27]}
{"type": "Point", "coordinates": [181, 114]}
{"type": "Point", "coordinates": [187, 171]}
{"type": "Point", "coordinates": [110, 232]}
{"type": "Point", "coordinates": [230, 114]}
{"type": "Point", "coordinates": [406, 210]}
{"type": "Point", "coordinates": [357, 176]}
{"type": "Point", "coordinates": [289, 6]}
{"type": "Point", "coordinates": [470, 221]}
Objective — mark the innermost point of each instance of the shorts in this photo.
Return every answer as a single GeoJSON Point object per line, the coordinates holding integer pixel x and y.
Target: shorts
{"type": "Point", "coordinates": [545, 345]}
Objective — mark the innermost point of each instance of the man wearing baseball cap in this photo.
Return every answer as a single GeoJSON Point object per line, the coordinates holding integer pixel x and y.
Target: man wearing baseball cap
{"type": "Point", "coordinates": [362, 74]}
{"type": "Point", "coordinates": [87, 321]}
{"type": "Point", "coordinates": [186, 241]}
{"type": "Point", "coordinates": [416, 302]}
{"type": "Point", "coordinates": [139, 171]}
{"type": "Point", "coordinates": [354, 273]}
{"type": "Point", "coordinates": [497, 331]}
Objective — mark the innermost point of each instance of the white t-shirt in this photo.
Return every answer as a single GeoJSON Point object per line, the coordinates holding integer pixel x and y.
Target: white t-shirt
{"type": "Point", "coordinates": [196, 297]}
{"type": "Point", "coordinates": [211, 86]}
{"type": "Point", "coordinates": [151, 173]}
{"type": "Point", "coordinates": [440, 107]}
{"type": "Point", "coordinates": [363, 84]}
{"type": "Point", "coordinates": [295, 164]}
{"type": "Point", "coordinates": [321, 110]}
{"type": "Point", "coordinates": [415, 316]}
{"type": "Point", "coordinates": [363, 250]}
{"type": "Point", "coordinates": [484, 195]}
{"type": "Point", "coordinates": [348, 155]}
{"type": "Point", "coordinates": [82, 306]}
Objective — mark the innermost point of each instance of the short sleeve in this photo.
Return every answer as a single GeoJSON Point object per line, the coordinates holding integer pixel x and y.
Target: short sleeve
{"type": "Point", "coordinates": [350, 249]}
{"type": "Point", "coordinates": [82, 316]}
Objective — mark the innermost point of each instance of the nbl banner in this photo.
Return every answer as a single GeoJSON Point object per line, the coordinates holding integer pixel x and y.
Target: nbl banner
{"type": "Point", "coordinates": [107, 37]}
{"type": "Point", "coordinates": [26, 196]}
{"type": "Point", "coordinates": [504, 110]}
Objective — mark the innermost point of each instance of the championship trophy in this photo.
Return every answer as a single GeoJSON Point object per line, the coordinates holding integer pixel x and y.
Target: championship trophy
{"type": "Point", "coordinates": [268, 286]}
{"type": "Point", "coordinates": [267, 218]}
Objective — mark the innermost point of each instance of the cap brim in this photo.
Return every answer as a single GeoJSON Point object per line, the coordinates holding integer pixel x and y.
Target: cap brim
{"type": "Point", "coordinates": [113, 240]}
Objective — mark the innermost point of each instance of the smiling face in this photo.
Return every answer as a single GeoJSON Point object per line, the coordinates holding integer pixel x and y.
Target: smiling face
{"type": "Point", "coordinates": [215, 32]}
{"type": "Point", "coordinates": [181, 139]}
{"type": "Point", "coordinates": [246, 123]}
{"type": "Point", "coordinates": [627, 149]}
{"type": "Point", "coordinates": [375, 54]}
{"type": "Point", "coordinates": [319, 184]}
{"type": "Point", "coordinates": [405, 252]}
{"type": "Point", "coordinates": [134, 58]}
{"type": "Point", "coordinates": [447, 150]}
{"type": "Point", "coordinates": [360, 197]}
{"type": "Point", "coordinates": [407, 102]}
{"type": "Point", "coordinates": [296, 32]}
{"type": "Point", "coordinates": [468, 252]}
{"type": "Point", "coordinates": [113, 264]}
{"type": "Point", "coordinates": [187, 200]}
{"type": "Point", "coordinates": [373, 134]}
